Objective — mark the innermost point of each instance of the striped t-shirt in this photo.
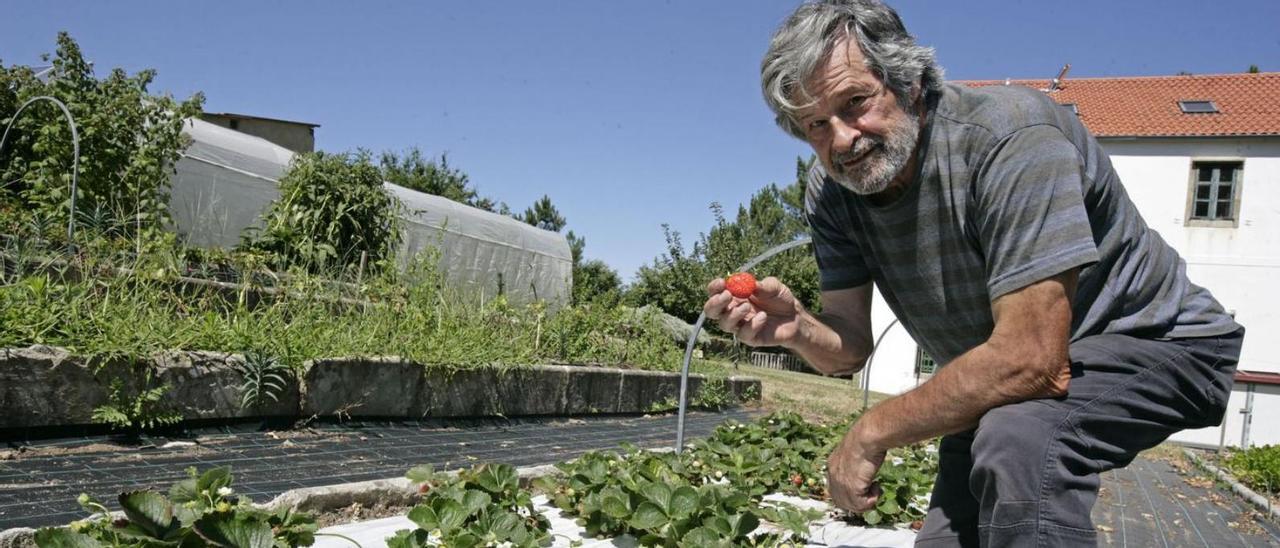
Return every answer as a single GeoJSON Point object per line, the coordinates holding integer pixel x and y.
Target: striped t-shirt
{"type": "Point", "coordinates": [1012, 189]}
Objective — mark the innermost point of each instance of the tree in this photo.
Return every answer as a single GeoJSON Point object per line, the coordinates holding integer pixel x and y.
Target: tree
{"type": "Point", "coordinates": [130, 141]}
{"type": "Point", "coordinates": [676, 280]}
{"type": "Point", "coordinates": [594, 281]}
{"type": "Point", "coordinates": [543, 214]}
{"type": "Point", "coordinates": [1253, 69]}
{"type": "Point", "coordinates": [432, 176]}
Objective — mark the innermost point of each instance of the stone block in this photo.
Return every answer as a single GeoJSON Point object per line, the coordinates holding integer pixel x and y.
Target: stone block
{"type": "Point", "coordinates": [592, 390]}
{"type": "Point", "coordinates": [46, 386]}
{"type": "Point", "coordinates": [361, 387]}
{"type": "Point", "coordinates": [459, 393]}
{"type": "Point", "coordinates": [533, 391]}
{"type": "Point", "coordinates": [206, 385]}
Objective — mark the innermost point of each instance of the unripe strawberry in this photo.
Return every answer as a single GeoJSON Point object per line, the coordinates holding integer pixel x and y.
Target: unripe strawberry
{"type": "Point", "coordinates": [741, 285]}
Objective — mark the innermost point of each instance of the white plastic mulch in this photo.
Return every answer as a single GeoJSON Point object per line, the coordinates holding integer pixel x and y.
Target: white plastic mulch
{"type": "Point", "coordinates": [824, 532]}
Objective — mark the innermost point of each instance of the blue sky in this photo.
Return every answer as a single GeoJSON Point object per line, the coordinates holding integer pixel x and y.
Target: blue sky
{"type": "Point", "coordinates": [628, 115]}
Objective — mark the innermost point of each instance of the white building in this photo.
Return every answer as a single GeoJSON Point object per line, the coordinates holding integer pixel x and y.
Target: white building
{"type": "Point", "coordinates": [1200, 157]}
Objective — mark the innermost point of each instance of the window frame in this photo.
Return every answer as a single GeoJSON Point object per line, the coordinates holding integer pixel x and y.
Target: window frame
{"type": "Point", "coordinates": [1193, 179]}
{"type": "Point", "coordinates": [921, 356]}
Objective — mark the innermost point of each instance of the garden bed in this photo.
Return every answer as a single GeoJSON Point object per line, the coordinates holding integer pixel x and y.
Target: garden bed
{"type": "Point", "coordinates": [758, 484]}
{"type": "Point", "coordinates": [565, 532]}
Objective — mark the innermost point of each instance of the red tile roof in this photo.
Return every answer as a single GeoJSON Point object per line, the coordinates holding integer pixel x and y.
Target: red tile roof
{"type": "Point", "coordinates": [1248, 104]}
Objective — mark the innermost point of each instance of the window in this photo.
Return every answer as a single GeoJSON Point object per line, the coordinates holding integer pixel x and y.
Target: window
{"type": "Point", "coordinates": [1197, 107]}
{"type": "Point", "coordinates": [924, 363]}
{"type": "Point", "coordinates": [1215, 192]}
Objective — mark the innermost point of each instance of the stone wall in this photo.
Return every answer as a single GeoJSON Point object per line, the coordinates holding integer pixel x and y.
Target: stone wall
{"type": "Point", "coordinates": [46, 386]}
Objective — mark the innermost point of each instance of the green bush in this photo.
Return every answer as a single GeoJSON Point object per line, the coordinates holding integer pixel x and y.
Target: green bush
{"type": "Point", "coordinates": [1257, 467]}
{"type": "Point", "coordinates": [129, 142]}
{"type": "Point", "coordinates": [332, 210]}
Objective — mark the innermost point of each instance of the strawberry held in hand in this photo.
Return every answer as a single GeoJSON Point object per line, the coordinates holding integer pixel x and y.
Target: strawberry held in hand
{"type": "Point", "coordinates": [741, 285]}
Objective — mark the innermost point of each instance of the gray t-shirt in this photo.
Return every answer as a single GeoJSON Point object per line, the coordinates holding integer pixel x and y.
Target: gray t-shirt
{"type": "Point", "coordinates": [1012, 189]}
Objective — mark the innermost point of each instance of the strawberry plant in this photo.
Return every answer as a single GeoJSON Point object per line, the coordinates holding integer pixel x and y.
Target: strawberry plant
{"type": "Point", "coordinates": [651, 496]}
{"type": "Point", "coordinates": [483, 506]}
{"type": "Point", "coordinates": [199, 511]}
{"type": "Point", "coordinates": [783, 453]}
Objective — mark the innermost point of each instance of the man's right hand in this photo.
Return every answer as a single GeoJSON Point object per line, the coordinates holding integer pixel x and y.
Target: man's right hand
{"type": "Point", "coordinates": [769, 317]}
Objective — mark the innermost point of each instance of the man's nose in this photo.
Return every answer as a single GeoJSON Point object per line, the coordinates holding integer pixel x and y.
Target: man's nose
{"type": "Point", "coordinates": [845, 135]}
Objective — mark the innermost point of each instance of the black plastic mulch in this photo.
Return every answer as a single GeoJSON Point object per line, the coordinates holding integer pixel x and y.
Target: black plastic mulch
{"type": "Point", "coordinates": [1152, 503]}
{"type": "Point", "coordinates": [38, 490]}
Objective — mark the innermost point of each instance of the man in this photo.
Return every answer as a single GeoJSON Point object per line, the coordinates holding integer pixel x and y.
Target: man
{"type": "Point", "coordinates": [1003, 240]}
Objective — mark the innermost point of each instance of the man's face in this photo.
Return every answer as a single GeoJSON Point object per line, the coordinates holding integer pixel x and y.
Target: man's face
{"type": "Point", "coordinates": [861, 134]}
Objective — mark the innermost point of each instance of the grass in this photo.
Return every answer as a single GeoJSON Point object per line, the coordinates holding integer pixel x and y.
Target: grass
{"type": "Point", "coordinates": [109, 309]}
{"type": "Point", "coordinates": [814, 397]}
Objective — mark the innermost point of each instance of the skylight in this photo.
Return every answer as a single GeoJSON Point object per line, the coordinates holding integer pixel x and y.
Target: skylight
{"type": "Point", "coordinates": [1198, 107]}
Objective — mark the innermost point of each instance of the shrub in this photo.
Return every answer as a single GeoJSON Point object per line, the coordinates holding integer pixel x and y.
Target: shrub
{"type": "Point", "coordinates": [1257, 467]}
{"type": "Point", "coordinates": [333, 208]}
{"type": "Point", "coordinates": [129, 142]}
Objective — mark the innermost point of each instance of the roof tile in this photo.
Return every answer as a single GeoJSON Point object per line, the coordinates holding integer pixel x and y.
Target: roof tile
{"type": "Point", "coordinates": [1248, 104]}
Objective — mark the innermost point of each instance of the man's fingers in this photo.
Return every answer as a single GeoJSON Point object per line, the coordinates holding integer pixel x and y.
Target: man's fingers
{"type": "Point", "coordinates": [768, 288]}
{"type": "Point", "coordinates": [738, 312]}
{"type": "Point", "coordinates": [717, 305]}
{"type": "Point", "coordinates": [749, 333]}
{"type": "Point", "coordinates": [716, 286]}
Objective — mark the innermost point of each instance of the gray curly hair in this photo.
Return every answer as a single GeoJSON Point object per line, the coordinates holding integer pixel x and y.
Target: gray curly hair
{"type": "Point", "coordinates": [808, 36]}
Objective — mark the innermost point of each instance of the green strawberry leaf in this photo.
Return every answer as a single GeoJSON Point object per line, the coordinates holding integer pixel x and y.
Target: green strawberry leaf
{"type": "Point", "coordinates": [497, 478]}
{"type": "Point", "coordinates": [226, 529]}
{"type": "Point", "coordinates": [473, 501]}
{"type": "Point", "coordinates": [150, 511]}
{"type": "Point", "coordinates": [615, 507]}
{"type": "Point", "coordinates": [684, 502]}
{"type": "Point", "coordinates": [872, 518]}
{"type": "Point", "coordinates": [214, 479]}
{"type": "Point", "coordinates": [421, 474]}
{"type": "Point", "coordinates": [700, 536]}
{"type": "Point", "coordinates": [658, 494]}
{"type": "Point", "coordinates": [451, 514]}
{"type": "Point", "coordinates": [743, 524]}
{"type": "Point", "coordinates": [425, 517]}
{"type": "Point", "coordinates": [648, 517]}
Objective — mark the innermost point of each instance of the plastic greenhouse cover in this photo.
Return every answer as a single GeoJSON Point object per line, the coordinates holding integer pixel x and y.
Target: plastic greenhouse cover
{"type": "Point", "coordinates": [226, 181]}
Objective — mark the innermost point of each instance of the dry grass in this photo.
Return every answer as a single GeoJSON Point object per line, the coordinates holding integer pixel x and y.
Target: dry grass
{"type": "Point", "coordinates": [817, 398]}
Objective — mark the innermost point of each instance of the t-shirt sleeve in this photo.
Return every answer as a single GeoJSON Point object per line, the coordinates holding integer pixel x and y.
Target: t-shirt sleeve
{"type": "Point", "coordinates": [1031, 219]}
{"type": "Point", "coordinates": [840, 262]}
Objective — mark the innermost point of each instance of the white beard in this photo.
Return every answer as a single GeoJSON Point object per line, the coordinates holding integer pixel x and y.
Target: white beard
{"type": "Point", "coordinates": [887, 158]}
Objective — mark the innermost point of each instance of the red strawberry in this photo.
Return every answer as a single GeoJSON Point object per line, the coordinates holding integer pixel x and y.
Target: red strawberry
{"type": "Point", "coordinates": [741, 285]}
{"type": "Point", "coordinates": [797, 479]}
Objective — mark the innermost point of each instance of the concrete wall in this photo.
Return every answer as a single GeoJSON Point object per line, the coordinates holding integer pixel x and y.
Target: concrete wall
{"type": "Point", "coordinates": [293, 136]}
{"type": "Point", "coordinates": [1240, 265]}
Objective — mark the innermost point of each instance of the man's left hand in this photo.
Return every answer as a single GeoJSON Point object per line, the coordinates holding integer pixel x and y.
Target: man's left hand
{"type": "Point", "coordinates": [851, 473]}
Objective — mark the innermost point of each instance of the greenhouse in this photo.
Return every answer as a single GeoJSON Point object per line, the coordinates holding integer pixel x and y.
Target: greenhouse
{"type": "Point", "coordinates": [226, 180]}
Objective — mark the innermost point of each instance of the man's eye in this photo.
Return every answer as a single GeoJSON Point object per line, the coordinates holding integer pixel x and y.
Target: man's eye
{"type": "Point", "coordinates": [856, 102]}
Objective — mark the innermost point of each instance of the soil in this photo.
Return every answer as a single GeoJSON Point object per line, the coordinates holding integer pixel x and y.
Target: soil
{"type": "Point", "coordinates": [358, 512]}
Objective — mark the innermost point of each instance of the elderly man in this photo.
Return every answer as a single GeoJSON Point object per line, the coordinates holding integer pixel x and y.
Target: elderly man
{"type": "Point", "coordinates": [1002, 238]}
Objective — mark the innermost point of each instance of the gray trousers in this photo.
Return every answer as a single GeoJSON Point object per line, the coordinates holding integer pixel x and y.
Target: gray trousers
{"type": "Point", "coordinates": [1028, 474]}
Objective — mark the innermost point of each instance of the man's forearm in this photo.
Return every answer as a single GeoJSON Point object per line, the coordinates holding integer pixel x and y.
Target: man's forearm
{"type": "Point", "coordinates": [957, 396]}
{"type": "Point", "coordinates": [819, 340]}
